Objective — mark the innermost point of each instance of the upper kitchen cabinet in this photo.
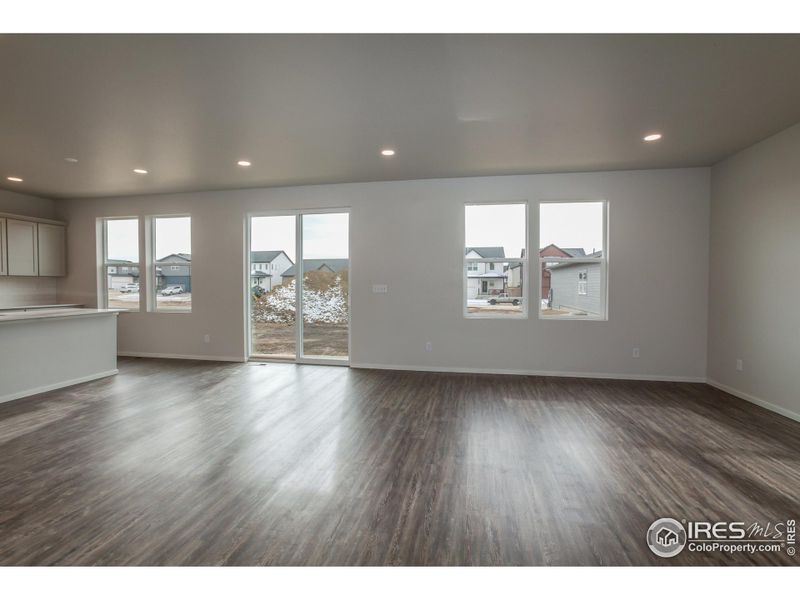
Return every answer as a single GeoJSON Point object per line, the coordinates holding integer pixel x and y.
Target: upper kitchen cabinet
{"type": "Point", "coordinates": [52, 250]}
{"type": "Point", "coordinates": [22, 248]}
{"type": "Point", "coordinates": [31, 247]}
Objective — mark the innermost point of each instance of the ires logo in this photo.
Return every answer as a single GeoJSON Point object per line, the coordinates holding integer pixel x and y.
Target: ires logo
{"type": "Point", "coordinates": [667, 537]}
{"type": "Point", "coordinates": [720, 530]}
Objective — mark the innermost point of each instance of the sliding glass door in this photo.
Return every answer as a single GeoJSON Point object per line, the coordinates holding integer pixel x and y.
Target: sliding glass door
{"type": "Point", "coordinates": [298, 287]}
{"type": "Point", "coordinates": [273, 323]}
{"type": "Point", "coordinates": [326, 289]}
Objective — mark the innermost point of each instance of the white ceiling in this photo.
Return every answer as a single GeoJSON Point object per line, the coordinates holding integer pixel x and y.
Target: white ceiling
{"type": "Point", "coordinates": [318, 109]}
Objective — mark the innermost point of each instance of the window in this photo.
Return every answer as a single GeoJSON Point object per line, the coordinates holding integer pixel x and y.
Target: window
{"type": "Point", "coordinates": [495, 260]}
{"type": "Point", "coordinates": [172, 266]}
{"type": "Point", "coordinates": [582, 277]}
{"type": "Point", "coordinates": [119, 277]}
{"type": "Point", "coordinates": [573, 260]}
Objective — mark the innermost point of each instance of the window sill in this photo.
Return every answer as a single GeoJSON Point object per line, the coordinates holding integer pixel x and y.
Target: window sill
{"type": "Point", "coordinates": [483, 317]}
{"type": "Point", "coordinates": [570, 318]}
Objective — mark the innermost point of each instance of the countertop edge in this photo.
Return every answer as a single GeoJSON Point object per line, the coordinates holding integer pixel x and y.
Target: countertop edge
{"type": "Point", "coordinates": [28, 316]}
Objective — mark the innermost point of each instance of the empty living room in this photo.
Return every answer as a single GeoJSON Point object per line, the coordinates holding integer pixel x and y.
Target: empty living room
{"type": "Point", "coordinates": [363, 294]}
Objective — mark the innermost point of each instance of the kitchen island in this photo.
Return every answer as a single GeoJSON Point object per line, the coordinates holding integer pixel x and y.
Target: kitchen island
{"type": "Point", "coordinates": [44, 349]}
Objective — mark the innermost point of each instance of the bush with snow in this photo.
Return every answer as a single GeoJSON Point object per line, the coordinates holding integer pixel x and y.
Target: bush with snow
{"type": "Point", "coordinates": [324, 300]}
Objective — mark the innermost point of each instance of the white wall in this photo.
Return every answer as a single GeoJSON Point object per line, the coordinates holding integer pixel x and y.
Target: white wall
{"type": "Point", "coordinates": [755, 272]}
{"type": "Point", "coordinates": [29, 206]}
{"type": "Point", "coordinates": [410, 236]}
{"type": "Point", "coordinates": [19, 291]}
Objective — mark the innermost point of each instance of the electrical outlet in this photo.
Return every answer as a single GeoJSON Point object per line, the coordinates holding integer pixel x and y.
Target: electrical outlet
{"type": "Point", "coordinates": [380, 288]}
{"type": "Point", "coordinates": [207, 339]}
{"type": "Point", "coordinates": [635, 353]}
{"type": "Point", "coordinates": [428, 346]}
{"type": "Point", "coordinates": [739, 364]}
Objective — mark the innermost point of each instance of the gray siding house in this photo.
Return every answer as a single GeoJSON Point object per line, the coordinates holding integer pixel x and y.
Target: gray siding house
{"type": "Point", "coordinates": [577, 287]}
{"type": "Point", "coordinates": [175, 269]}
{"type": "Point", "coordinates": [331, 265]}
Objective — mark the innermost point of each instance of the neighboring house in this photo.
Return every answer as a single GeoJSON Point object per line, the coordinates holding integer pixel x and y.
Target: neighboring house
{"type": "Point", "coordinates": [267, 266]}
{"type": "Point", "coordinates": [122, 272]}
{"type": "Point", "coordinates": [515, 270]}
{"type": "Point", "coordinates": [554, 251]}
{"type": "Point", "coordinates": [577, 286]}
{"type": "Point", "coordinates": [514, 277]}
{"type": "Point", "coordinates": [485, 279]}
{"type": "Point", "coordinates": [176, 269]}
{"type": "Point", "coordinates": [331, 265]}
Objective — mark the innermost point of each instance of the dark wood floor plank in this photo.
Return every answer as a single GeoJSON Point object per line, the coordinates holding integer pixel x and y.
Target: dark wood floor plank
{"type": "Point", "coordinates": [196, 463]}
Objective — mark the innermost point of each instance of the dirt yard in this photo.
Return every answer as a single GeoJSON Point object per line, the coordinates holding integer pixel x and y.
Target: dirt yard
{"type": "Point", "coordinates": [130, 300]}
{"type": "Point", "coordinates": [498, 309]}
{"type": "Point", "coordinates": [321, 339]}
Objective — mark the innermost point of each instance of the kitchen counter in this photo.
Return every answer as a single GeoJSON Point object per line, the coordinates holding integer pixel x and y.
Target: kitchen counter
{"type": "Point", "coordinates": [40, 306]}
{"type": "Point", "coordinates": [50, 348]}
{"type": "Point", "coordinates": [54, 313]}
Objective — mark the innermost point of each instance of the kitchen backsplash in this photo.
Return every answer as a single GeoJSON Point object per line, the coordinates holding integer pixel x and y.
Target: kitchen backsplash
{"type": "Point", "coordinates": [25, 291]}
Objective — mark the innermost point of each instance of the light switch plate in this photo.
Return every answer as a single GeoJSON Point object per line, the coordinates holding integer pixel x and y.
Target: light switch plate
{"type": "Point", "coordinates": [380, 288]}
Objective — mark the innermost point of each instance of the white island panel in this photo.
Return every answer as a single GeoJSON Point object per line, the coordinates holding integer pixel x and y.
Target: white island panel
{"type": "Point", "coordinates": [52, 351]}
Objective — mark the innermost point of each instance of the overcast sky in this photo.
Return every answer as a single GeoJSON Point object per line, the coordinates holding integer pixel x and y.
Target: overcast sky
{"type": "Point", "coordinates": [571, 225]}
{"type": "Point", "coordinates": [324, 235]}
{"type": "Point", "coordinates": [123, 239]}
{"type": "Point", "coordinates": [173, 235]}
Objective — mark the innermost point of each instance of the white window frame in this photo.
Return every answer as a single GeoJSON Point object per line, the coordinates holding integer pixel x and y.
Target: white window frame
{"type": "Point", "coordinates": [152, 265]}
{"type": "Point", "coordinates": [523, 261]}
{"type": "Point", "coordinates": [603, 262]}
{"type": "Point", "coordinates": [104, 264]}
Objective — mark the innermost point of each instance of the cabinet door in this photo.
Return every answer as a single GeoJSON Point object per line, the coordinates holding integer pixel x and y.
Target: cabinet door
{"type": "Point", "coordinates": [52, 250]}
{"type": "Point", "coordinates": [22, 247]}
{"type": "Point", "coordinates": [3, 261]}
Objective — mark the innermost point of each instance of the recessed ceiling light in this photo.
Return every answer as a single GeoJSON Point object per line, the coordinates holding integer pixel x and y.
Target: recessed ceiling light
{"type": "Point", "coordinates": [15, 179]}
{"type": "Point", "coordinates": [69, 159]}
{"type": "Point", "coordinates": [140, 171]}
{"type": "Point", "coordinates": [652, 137]}
{"type": "Point", "coordinates": [387, 152]}
{"type": "Point", "coordinates": [244, 163]}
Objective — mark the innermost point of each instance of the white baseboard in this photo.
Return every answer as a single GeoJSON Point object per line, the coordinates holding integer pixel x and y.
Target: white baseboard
{"type": "Point", "coordinates": [624, 376]}
{"type": "Point", "coordinates": [754, 399]}
{"type": "Point", "coordinates": [55, 386]}
{"type": "Point", "coordinates": [182, 356]}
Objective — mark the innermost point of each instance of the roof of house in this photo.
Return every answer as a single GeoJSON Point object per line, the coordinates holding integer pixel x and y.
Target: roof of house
{"type": "Point", "coordinates": [563, 265]}
{"type": "Point", "coordinates": [265, 256]}
{"type": "Point", "coordinates": [181, 255]}
{"type": "Point", "coordinates": [487, 275]}
{"type": "Point", "coordinates": [320, 264]}
{"type": "Point", "coordinates": [258, 274]}
{"type": "Point", "coordinates": [487, 251]}
{"type": "Point", "coordinates": [563, 252]}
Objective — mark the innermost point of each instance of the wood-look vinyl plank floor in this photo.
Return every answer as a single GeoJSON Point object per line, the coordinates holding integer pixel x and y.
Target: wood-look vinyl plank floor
{"type": "Point", "coordinates": [197, 463]}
